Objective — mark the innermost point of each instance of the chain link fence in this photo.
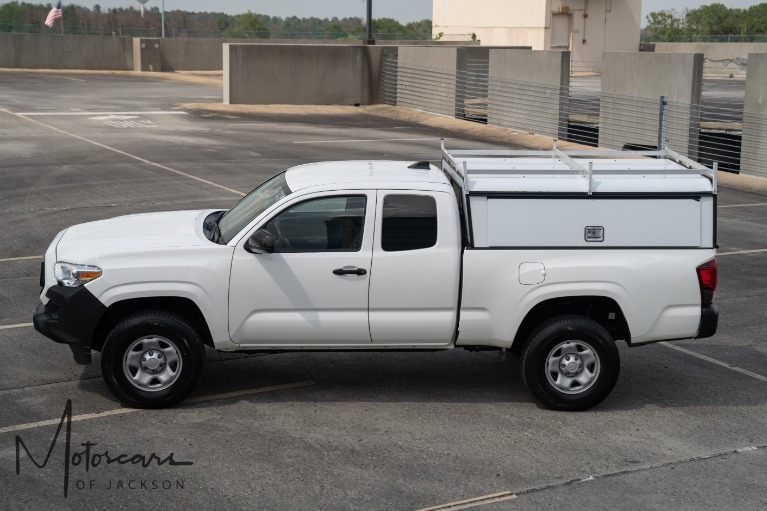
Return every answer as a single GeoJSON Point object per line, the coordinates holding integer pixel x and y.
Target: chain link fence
{"type": "Point", "coordinates": [221, 34]}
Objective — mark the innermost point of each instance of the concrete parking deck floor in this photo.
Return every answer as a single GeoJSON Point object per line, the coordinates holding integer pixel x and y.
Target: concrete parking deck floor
{"type": "Point", "coordinates": [684, 429]}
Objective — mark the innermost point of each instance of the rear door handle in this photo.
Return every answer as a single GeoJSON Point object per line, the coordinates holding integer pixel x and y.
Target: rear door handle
{"type": "Point", "coordinates": [349, 270]}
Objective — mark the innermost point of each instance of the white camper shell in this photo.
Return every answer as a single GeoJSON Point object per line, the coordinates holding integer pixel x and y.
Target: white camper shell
{"type": "Point", "coordinates": [584, 199]}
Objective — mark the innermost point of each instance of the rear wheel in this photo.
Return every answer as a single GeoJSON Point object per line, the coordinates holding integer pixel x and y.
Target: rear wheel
{"type": "Point", "coordinates": [570, 363]}
{"type": "Point", "coordinates": [152, 359]}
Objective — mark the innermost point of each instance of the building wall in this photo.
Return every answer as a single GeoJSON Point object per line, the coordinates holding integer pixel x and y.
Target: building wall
{"type": "Point", "coordinates": [608, 25]}
{"type": "Point", "coordinates": [495, 22]}
{"type": "Point", "coordinates": [599, 26]}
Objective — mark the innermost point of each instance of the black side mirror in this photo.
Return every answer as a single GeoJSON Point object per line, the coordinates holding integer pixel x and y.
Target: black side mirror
{"type": "Point", "coordinates": [262, 242]}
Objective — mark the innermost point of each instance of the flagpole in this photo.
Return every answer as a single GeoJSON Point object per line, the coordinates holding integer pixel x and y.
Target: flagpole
{"type": "Point", "coordinates": [62, 22]}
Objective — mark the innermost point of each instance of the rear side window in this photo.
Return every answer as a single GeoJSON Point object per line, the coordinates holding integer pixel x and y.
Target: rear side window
{"type": "Point", "coordinates": [409, 222]}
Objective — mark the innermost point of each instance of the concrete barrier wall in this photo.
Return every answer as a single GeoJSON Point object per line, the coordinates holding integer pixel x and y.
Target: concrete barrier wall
{"type": "Point", "coordinates": [43, 51]}
{"type": "Point", "coordinates": [632, 84]}
{"type": "Point", "coordinates": [719, 56]}
{"type": "Point", "coordinates": [303, 74]}
{"type": "Point", "coordinates": [50, 51]}
{"type": "Point", "coordinates": [426, 79]}
{"type": "Point", "coordinates": [754, 142]}
{"type": "Point", "coordinates": [472, 84]}
{"type": "Point", "coordinates": [528, 91]}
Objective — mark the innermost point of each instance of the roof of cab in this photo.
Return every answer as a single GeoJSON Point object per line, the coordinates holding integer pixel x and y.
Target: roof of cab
{"type": "Point", "coordinates": [363, 174]}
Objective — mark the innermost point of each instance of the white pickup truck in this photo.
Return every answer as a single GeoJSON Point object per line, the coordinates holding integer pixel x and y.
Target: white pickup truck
{"type": "Point", "coordinates": [549, 254]}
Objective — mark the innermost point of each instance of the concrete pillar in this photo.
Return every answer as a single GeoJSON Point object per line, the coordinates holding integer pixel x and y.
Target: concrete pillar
{"type": "Point", "coordinates": [426, 79]}
{"type": "Point", "coordinates": [754, 142]}
{"type": "Point", "coordinates": [528, 91]}
{"type": "Point", "coordinates": [632, 84]}
{"type": "Point", "coordinates": [146, 54]}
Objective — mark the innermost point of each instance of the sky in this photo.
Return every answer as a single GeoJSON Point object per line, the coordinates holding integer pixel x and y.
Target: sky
{"type": "Point", "coordinates": [401, 10]}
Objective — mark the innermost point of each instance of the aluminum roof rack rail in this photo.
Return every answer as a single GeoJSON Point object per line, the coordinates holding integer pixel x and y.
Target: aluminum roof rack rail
{"type": "Point", "coordinates": [461, 164]}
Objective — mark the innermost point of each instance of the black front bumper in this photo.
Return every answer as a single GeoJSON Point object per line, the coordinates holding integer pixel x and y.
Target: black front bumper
{"type": "Point", "coordinates": [71, 317]}
{"type": "Point", "coordinates": [709, 320]}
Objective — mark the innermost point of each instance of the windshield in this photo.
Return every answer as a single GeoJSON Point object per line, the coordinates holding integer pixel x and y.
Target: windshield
{"type": "Point", "coordinates": [252, 205]}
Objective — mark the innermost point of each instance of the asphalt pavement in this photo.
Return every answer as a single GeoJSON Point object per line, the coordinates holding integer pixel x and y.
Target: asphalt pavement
{"type": "Point", "coordinates": [685, 427]}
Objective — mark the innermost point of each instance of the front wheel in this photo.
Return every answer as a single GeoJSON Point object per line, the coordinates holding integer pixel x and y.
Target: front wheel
{"type": "Point", "coordinates": [152, 359]}
{"type": "Point", "coordinates": [570, 363]}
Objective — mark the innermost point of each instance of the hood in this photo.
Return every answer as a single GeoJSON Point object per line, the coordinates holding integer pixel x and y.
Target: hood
{"type": "Point", "coordinates": [84, 243]}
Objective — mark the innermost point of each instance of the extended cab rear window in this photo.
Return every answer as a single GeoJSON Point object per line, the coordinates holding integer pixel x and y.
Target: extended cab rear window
{"type": "Point", "coordinates": [409, 222]}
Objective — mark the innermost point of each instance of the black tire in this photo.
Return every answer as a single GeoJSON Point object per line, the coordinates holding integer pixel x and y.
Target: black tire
{"type": "Point", "coordinates": [570, 363]}
{"type": "Point", "coordinates": [152, 359]}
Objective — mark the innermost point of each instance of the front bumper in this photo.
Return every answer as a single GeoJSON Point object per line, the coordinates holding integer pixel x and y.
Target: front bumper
{"type": "Point", "coordinates": [709, 320]}
{"type": "Point", "coordinates": [71, 317]}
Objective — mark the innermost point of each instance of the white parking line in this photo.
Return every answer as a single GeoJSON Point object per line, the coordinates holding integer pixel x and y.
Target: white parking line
{"type": "Point", "coordinates": [17, 325]}
{"type": "Point", "coordinates": [477, 501]}
{"type": "Point", "coordinates": [129, 155]}
{"type": "Point", "coordinates": [736, 252]}
{"type": "Point", "coordinates": [121, 411]}
{"type": "Point", "coordinates": [367, 140]}
{"type": "Point", "coordinates": [744, 205]}
{"type": "Point", "coordinates": [82, 112]}
{"type": "Point", "coordinates": [66, 78]}
{"type": "Point", "coordinates": [24, 258]}
{"type": "Point", "coordinates": [717, 362]}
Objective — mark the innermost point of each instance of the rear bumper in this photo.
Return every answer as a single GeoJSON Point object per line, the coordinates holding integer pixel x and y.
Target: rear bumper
{"type": "Point", "coordinates": [70, 317]}
{"type": "Point", "coordinates": [709, 320]}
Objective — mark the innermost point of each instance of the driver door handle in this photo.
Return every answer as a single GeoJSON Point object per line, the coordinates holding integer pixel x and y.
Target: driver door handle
{"type": "Point", "coordinates": [349, 270]}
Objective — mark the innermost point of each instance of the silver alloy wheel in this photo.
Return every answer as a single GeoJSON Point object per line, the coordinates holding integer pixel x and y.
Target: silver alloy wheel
{"type": "Point", "coordinates": [152, 363]}
{"type": "Point", "coordinates": [572, 367]}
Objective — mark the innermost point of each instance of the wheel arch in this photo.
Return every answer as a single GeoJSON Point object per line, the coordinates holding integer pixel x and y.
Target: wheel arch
{"type": "Point", "coordinates": [597, 308]}
{"type": "Point", "coordinates": [184, 307]}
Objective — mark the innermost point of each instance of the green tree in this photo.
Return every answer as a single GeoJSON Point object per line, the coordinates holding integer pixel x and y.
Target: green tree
{"type": "Point", "coordinates": [249, 25]}
{"type": "Point", "coordinates": [713, 19]}
{"type": "Point", "coordinates": [387, 26]}
{"type": "Point", "coordinates": [10, 13]}
{"type": "Point", "coordinates": [664, 24]}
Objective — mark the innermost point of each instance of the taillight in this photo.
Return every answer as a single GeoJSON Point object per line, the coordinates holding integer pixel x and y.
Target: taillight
{"type": "Point", "coordinates": [707, 281]}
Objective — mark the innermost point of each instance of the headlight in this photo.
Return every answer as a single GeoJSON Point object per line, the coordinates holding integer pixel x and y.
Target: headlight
{"type": "Point", "coordinates": [73, 275]}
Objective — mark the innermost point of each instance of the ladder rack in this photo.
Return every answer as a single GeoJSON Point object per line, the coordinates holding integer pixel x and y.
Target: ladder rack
{"type": "Point", "coordinates": [459, 165]}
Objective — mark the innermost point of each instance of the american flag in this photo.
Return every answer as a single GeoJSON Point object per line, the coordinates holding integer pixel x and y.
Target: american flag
{"type": "Point", "coordinates": [54, 15]}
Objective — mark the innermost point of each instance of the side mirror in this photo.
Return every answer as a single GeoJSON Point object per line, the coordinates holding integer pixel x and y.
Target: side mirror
{"type": "Point", "coordinates": [262, 242]}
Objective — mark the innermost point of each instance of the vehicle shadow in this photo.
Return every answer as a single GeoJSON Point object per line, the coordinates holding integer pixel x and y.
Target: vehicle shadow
{"type": "Point", "coordinates": [651, 376]}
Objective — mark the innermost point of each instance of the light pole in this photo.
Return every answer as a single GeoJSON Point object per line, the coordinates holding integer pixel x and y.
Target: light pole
{"type": "Point", "coordinates": [163, 18]}
{"type": "Point", "coordinates": [369, 39]}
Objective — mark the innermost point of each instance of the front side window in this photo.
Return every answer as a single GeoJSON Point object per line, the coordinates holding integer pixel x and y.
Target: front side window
{"type": "Point", "coordinates": [252, 205]}
{"type": "Point", "coordinates": [409, 222]}
{"type": "Point", "coordinates": [328, 224]}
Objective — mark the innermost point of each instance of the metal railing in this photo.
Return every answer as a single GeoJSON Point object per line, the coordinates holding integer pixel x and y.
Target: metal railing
{"type": "Point", "coordinates": [692, 38]}
{"type": "Point", "coordinates": [710, 131]}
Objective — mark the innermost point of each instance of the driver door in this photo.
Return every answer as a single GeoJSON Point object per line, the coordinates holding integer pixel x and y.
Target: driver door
{"type": "Point", "coordinates": [313, 289]}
